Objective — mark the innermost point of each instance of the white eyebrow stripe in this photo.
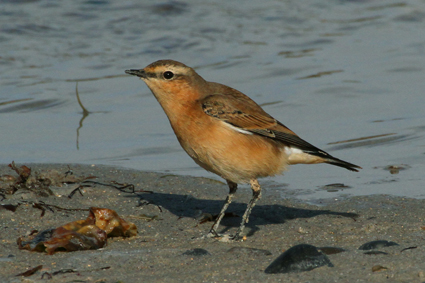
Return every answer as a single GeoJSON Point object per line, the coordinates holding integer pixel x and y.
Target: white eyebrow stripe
{"type": "Point", "coordinates": [238, 129]}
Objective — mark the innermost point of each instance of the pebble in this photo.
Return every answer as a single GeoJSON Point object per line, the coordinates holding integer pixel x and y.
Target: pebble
{"type": "Point", "coordinates": [376, 245]}
{"type": "Point", "coordinates": [197, 252]}
{"type": "Point", "coordinates": [378, 268]}
{"type": "Point", "coordinates": [299, 258]}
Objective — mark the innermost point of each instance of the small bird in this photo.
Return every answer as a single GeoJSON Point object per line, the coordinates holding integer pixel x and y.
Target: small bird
{"type": "Point", "coordinates": [226, 132]}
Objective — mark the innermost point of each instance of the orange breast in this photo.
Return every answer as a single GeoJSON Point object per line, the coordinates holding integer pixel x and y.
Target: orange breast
{"type": "Point", "coordinates": [235, 156]}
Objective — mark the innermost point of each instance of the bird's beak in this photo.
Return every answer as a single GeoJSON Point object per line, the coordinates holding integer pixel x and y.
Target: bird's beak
{"type": "Point", "coordinates": [140, 73]}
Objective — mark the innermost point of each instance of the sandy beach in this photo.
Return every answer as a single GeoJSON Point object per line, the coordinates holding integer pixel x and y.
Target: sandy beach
{"type": "Point", "coordinates": [167, 210]}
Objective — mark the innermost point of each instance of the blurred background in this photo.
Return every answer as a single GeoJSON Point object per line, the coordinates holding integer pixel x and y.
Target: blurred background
{"type": "Point", "coordinates": [347, 76]}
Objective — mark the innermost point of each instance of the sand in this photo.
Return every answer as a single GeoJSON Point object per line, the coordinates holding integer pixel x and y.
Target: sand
{"type": "Point", "coordinates": [168, 220]}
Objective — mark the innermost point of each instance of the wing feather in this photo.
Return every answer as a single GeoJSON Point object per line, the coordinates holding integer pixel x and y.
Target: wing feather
{"type": "Point", "coordinates": [251, 117]}
{"type": "Point", "coordinates": [243, 113]}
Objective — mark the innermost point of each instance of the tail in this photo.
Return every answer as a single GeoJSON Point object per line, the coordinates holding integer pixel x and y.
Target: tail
{"type": "Point", "coordinates": [294, 142]}
{"type": "Point", "coordinates": [327, 158]}
{"type": "Point", "coordinates": [341, 163]}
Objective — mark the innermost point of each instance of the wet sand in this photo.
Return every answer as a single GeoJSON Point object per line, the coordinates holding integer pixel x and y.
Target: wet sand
{"type": "Point", "coordinates": [168, 224]}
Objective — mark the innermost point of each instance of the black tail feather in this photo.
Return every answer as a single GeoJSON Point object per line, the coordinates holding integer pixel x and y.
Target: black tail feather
{"type": "Point", "coordinates": [341, 163]}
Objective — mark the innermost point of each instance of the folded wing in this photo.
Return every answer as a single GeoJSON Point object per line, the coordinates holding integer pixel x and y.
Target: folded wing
{"type": "Point", "coordinates": [244, 114]}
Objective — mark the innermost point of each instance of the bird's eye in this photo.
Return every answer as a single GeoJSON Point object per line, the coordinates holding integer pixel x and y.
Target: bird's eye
{"type": "Point", "coordinates": [168, 75]}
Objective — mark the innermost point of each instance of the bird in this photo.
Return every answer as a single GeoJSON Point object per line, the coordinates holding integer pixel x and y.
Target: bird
{"type": "Point", "coordinates": [227, 133]}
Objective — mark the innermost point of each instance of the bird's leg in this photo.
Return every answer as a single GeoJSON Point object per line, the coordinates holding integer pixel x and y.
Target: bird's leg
{"type": "Point", "coordinates": [232, 190]}
{"type": "Point", "coordinates": [256, 195]}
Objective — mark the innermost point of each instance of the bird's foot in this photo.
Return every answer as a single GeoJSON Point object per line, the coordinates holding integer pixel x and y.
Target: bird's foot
{"type": "Point", "coordinates": [226, 238]}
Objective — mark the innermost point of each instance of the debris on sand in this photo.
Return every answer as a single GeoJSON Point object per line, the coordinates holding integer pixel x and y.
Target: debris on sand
{"type": "Point", "coordinates": [39, 183]}
{"type": "Point", "coordinates": [88, 234]}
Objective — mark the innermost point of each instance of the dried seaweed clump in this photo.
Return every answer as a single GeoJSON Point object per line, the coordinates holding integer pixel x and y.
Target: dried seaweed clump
{"type": "Point", "coordinates": [89, 234]}
{"type": "Point", "coordinates": [38, 183]}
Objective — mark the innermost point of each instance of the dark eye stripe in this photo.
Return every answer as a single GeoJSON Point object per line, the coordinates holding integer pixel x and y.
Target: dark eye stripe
{"type": "Point", "coordinates": [151, 75]}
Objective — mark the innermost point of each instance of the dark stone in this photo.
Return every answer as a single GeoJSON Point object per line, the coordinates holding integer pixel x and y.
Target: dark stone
{"type": "Point", "coordinates": [298, 259]}
{"type": "Point", "coordinates": [196, 252]}
{"type": "Point", "coordinates": [376, 245]}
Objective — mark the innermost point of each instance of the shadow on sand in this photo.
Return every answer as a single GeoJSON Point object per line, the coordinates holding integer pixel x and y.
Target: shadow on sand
{"type": "Point", "coordinates": [189, 206]}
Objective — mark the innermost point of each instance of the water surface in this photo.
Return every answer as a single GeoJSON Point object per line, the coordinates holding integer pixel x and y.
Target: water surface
{"type": "Point", "coordinates": [348, 76]}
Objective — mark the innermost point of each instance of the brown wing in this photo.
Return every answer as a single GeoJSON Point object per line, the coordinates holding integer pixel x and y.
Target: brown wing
{"type": "Point", "coordinates": [245, 114]}
{"type": "Point", "coordinates": [240, 111]}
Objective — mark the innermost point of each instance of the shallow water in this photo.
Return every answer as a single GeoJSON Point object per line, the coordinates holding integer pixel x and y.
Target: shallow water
{"type": "Point", "coordinates": [347, 76]}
